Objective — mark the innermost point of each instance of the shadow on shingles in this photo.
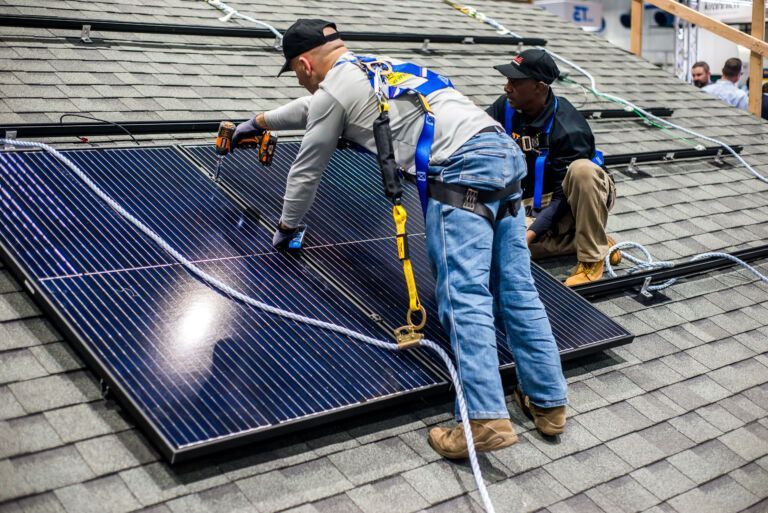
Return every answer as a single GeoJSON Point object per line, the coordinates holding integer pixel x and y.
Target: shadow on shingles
{"type": "Point", "coordinates": [559, 267]}
{"type": "Point", "coordinates": [590, 363]}
{"type": "Point", "coordinates": [490, 472]}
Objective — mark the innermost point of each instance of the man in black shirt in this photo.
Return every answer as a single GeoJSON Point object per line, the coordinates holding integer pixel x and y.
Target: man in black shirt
{"type": "Point", "coordinates": [567, 193]}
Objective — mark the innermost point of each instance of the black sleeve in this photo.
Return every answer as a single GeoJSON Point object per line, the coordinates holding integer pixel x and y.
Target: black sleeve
{"type": "Point", "coordinates": [496, 109]}
{"type": "Point", "coordinates": [552, 213]}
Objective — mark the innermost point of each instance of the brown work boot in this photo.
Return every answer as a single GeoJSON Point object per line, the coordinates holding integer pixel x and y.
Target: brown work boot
{"type": "Point", "coordinates": [489, 435]}
{"type": "Point", "coordinates": [616, 255]}
{"type": "Point", "coordinates": [549, 421]}
{"type": "Point", "coordinates": [585, 272]}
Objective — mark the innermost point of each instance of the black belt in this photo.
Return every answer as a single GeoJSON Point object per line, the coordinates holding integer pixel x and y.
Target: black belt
{"type": "Point", "coordinates": [474, 200]}
{"type": "Point", "coordinates": [488, 130]}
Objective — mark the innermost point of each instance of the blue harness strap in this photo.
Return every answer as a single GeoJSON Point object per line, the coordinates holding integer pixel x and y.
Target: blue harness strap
{"type": "Point", "coordinates": [432, 82]}
{"type": "Point", "coordinates": [541, 160]}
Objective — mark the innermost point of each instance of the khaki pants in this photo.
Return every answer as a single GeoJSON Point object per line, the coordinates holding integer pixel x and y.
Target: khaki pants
{"type": "Point", "coordinates": [591, 194]}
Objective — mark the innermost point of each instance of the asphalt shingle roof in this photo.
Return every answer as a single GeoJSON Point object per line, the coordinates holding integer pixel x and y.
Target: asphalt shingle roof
{"type": "Point", "coordinates": [675, 422]}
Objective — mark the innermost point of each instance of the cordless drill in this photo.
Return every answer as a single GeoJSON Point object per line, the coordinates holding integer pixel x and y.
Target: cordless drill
{"type": "Point", "coordinates": [266, 144]}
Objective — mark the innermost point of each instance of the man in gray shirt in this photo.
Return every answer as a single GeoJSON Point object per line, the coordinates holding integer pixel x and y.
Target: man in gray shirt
{"type": "Point", "coordinates": [473, 254]}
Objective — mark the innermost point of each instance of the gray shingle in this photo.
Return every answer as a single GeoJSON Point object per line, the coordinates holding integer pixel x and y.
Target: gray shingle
{"type": "Point", "coordinates": [622, 495]}
{"type": "Point", "coordinates": [26, 333]}
{"type": "Point", "coordinates": [17, 305]}
{"type": "Point", "coordinates": [526, 492]}
{"type": "Point", "coordinates": [651, 346]}
{"type": "Point", "coordinates": [580, 503]}
{"type": "Point", "coordinates": [227, 498]}
{"type": "Point", "coordinates": [85, 421]}
{"type": "Point", "coordinates": [706, 461]}
{"type": "Point", "coordinates": [14, 484]}
{"type": "Point", "coordinates": [55, 391]}
{"type": "Point", "coordinates": [26, 434]}
{"type": "Point", "coordinates": [742, 408]}
{"type": "Point", "coordinates": [156, 482]}
{"type": "Point", "coordinates": [292, 486]}
{"type": "Point", "coordinates": [105, 495]}
{"type": "Point", "coordinates": [663, 480]}
{"type": "Point", "coordinates": [695, 392]}
{"type": "Point", "coordinates": [386, 427]}
{"type": "Point", "coordinates": [655, 406]}
{"type": "Point", "coordinates": [723, 495]}
{"type": "Point", "coordinates": [376, 460]}
{"type": "Point", "coordinates": [522, 456]}
{"type": "Point", "coordinates": [652, 375]}
{"type": "Point", "coordinates": [112, 453]}
{"type": "Point", "coordinates": [392, 494]}
{"type": "Point", "coordinates": [19, 366]}
{"type": "Point", "coordinates": [57, 357]}
{"type": "Point", "coordinates": [52, 469]}
{"type": "Point", "coordinates": [587, 469]}
{"type": "Point", "coordinates": [613, 421]}
{"type": "Point", "coordinates": [43, 503]}
{"type": "Point", "coordinates": [750, 442]}
{"type": "Point", "coordinates": [719, 417]}
{"type": "Point", "coordinates": [753, 477]}
{"type": "Point", "coordinates": [576, 438]}
{"type": "Point", "coordinates": [9, 406]}
{"type": "Point", "coordinates": [742, 375]}
{"type": "Point", "coordinates": [613, 386]}
{"type": "Point", "coordinates": [440, 481]}
{"type": "Point", "coordinates": [695, 427]}
{"type": "Point", "coordinates": [720, 353]}
{"type": "Point", "coordinates": [684, 364]}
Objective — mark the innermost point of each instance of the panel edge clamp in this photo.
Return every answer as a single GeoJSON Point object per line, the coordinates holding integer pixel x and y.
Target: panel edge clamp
{"type": "Point", "coordinates": [85, 35]}
{"type": "Point", "coordinates": [644, 289]}
{"type": "Point", "coordinates": [10, 134]}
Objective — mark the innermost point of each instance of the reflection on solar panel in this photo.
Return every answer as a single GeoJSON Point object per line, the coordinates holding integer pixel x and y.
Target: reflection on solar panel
{"type": "Point", "coordinates": [199, 371]}
{"type": "Point", "coordinates": [350, 208]}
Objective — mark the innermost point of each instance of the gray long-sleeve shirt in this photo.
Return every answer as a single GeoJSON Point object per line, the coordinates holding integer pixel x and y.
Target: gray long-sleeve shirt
{"type": "Point", "coordinates": [345, 105]}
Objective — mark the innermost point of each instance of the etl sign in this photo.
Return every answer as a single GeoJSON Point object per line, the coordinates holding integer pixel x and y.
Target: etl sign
{"type": "Point", "coordinates": [588, 15]}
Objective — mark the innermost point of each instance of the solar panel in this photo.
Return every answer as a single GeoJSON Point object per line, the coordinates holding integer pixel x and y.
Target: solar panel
{"type": "Point", "coordinates": [197, 370]}
{"type": "Point", "coordinates": [350, 208]}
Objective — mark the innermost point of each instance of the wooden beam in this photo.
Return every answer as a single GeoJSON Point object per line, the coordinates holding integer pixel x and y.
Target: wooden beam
{"type": "Point", "coordinates": [716, 27]}
{"type": "Point", "coordinates": [756, 60]}
{"type": "Point", "coordinates": [636, 28]}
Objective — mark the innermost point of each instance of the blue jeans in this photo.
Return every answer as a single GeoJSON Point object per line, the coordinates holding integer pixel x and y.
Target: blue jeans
{"type": "Point", "coordinates": [480, 269]}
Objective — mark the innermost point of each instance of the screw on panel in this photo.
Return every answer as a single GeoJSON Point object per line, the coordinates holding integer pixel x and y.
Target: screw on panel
{"type": "Point", "coordinates": [85, 35]}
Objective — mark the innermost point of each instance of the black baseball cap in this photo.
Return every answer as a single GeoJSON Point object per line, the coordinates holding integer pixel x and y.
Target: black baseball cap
{"type": "Point", "coordinates": [303, 36]}
{"type": "Point", "coordinates": [534, 63]}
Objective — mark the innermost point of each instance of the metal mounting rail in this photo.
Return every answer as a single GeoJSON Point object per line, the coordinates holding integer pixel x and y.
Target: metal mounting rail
{"type": "Point", "coordinates": [181, 126]}
{"type": "Point", "coordinates": [51, 22]}
{"type": "Point", "coordinates": [661, 112]}
{"type": "Point", "coordinates": [685, 269]}
{"type": "Point", "coordinates": [667, 155]}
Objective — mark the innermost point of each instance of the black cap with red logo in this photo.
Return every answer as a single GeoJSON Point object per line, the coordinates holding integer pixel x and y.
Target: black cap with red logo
{"type": "Point", "coordinates": [534, 63]}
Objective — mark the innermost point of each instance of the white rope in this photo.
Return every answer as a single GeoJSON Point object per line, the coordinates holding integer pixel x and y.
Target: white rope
{"type": "Point", "coordinates": [650, 264]}
{"type": "Point", "coordinates": [230, 292]}
{"type": "Point", "coordinates": [501, 29]}
{"type": "Point", "coordinates": [230, 12]}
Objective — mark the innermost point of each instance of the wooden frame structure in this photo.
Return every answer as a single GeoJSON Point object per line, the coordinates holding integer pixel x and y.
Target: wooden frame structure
{"type": "Point", "coordinates": [755, 43]}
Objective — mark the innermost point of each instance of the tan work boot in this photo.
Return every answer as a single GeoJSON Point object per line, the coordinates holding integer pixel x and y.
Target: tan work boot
{"type": "Point", "coordinates": [585, 272]}
{"type": "Point", "coordinates": [489, 435]}
{"type": "Point", "coordinates": [616, 255]}
{"type": "Point", "coordinates": [549, 421]}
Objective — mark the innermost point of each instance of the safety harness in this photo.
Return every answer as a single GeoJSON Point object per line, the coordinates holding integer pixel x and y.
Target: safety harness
{"type": "Point", "coordinates": [543, 150]}
{"type": "Point", "coordinates": [387, 81]}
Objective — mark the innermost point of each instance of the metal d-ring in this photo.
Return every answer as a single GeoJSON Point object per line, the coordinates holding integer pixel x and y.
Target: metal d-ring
{"type": "Point", "coordinates": [422, 323]}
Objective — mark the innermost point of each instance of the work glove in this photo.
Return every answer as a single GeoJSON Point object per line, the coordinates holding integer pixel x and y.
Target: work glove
{"type": "Point", "coordinates": [283, 236]}
{"type": "Point", "coordinates": [246, 130]}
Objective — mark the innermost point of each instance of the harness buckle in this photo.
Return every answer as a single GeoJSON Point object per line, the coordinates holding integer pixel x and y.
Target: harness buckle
{"type": "Point", "coordinates": [384, 67]}
{"type": "Point", "coordinates": [470, 199]}
{"type": "Point", "coordinates": [526, 143]}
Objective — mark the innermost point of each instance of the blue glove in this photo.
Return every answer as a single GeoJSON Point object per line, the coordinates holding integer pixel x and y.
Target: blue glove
{"type": "Point", "coordinates": [283, 236]}
{"type": "Point", "coordinates": [246, 130]}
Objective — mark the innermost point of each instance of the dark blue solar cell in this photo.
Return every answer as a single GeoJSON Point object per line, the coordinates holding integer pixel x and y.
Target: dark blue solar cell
{"type": "Point", "coordinates": [197, 368]}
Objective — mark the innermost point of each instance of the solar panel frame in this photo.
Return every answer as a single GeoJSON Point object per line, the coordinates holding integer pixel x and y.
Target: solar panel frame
{"type": "Point", "coordinates": [44, 299]}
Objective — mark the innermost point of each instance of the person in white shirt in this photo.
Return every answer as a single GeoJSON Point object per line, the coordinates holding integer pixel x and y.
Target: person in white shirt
{"type": "Point", "coordinates": [726, 88]}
